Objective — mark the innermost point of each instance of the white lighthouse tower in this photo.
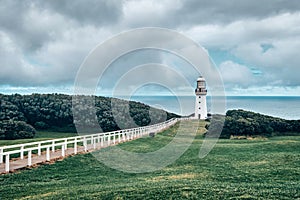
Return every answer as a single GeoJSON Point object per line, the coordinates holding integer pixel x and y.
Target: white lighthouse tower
{"type": "Point", "coordinates": [200, 106]}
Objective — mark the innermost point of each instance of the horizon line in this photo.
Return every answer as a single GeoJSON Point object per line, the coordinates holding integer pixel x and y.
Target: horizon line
{"type": "Point", "coordinates": [147, 95]}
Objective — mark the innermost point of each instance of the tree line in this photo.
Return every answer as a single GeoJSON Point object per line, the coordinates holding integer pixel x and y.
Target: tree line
{"type": "Point", "coordinates": [246, 123]}
{"type": "Point", "coordinates": [22, 115]}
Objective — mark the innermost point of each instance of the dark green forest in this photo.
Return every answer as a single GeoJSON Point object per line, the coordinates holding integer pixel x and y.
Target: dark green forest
{"type": "Point", "coordinates": [22, 115]}
{"type": "Point", "coordinates": [246, 123]}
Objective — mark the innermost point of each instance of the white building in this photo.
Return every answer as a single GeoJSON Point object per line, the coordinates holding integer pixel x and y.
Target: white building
{"type": "Point", "coordinates": [200, 105]}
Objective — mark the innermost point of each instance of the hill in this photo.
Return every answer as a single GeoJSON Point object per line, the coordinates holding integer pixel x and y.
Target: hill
{"type": "Point", "coordinates": [21, 114]}
{"type": "Point", "coordinates": [247, 123]}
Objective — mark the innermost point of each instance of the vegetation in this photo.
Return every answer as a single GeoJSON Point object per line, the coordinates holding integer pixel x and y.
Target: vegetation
{"type": "Point", "coordinates": [53, 112]}
{"type": "Point", "coordinates": [39, 136]}
{"type": "Point", "coordinates": [246, 123]}
{"type": "Point", "coordinates": [10, 129]}
{"type": "Point", "coordinates": [20, 115]}
{"type": "Point", "coordinates": [234, 169]}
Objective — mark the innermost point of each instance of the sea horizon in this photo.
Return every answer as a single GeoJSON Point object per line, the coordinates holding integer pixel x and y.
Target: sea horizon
{"type": "Point", "coordinates": [286, 107]}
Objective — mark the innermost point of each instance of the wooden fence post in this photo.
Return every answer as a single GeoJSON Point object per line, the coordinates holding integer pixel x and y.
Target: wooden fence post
{"type": "Point", "coordinates": [48, 154]}
{"type": "Point", "coordinates": [66, 144]}
{"type": "Point", "coordinates": [1, 155]}
{"type": "Point", "coordinates": [29, 163]}
{"type": "Point", "coordinates": [22, 152]}
{"type": "Point", "coordinates": [128, 136]}
{"type": "Point", "coordinates": [7, 163]}
{"type": "Point", "coordinates": [63, 150]}
{"type": "Point", "coordinates": [39, 149]}
{"type": "Point", "coordinates": [102, 142]}
{"type": "Point", "coordinates": [53, 146]}
{"type": "Point", "coordinates": [94, 142]}
{"type": "Point", "coordinates": [108, 140]}
{"type": "Point", "coordinates": [85, 144]}
{"type": "Point", "coordinates": [123, 136]}
{"type": "Point", "coordinates": [75, 146]}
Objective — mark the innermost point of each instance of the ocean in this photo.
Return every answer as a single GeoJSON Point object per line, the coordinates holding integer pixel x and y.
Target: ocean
{"type": "Point", "coordinates": [278, 106]}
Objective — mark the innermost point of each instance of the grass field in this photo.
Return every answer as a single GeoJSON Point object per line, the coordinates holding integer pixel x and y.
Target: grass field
{"type": "Point", "coordinates": [235, 169]}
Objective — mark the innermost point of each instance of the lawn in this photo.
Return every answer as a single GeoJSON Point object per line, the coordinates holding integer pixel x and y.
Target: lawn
{"type": "Point", "coordinates": [234, 169]}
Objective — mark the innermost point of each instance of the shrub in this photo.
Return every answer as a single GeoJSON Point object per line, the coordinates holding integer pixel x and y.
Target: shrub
{"type": "Point", "coordinates": [41, 125]}
{"type": "Point", "coordinates": [11, 130]}
{"type": "Point", "coordinates": [216, 127]}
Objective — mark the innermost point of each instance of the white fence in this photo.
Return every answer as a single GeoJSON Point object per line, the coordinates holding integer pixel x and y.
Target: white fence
{"type": "Point", "coordinates": [102, 139]}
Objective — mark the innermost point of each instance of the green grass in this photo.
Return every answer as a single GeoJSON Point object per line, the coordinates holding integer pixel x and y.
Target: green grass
{"type": "Point", "coordinates": [234, 169]}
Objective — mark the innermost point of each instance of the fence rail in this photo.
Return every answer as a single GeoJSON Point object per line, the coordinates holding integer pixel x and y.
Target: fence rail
{"type": "Point", "coordinates": [87, 141]}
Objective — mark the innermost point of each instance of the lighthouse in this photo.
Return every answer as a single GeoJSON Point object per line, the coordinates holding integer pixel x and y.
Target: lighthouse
{"type": "Point", "coordinates": [200, 105]}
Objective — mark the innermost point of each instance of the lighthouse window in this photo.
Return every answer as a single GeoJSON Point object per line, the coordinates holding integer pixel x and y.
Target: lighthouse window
{"type": "Point", "coordinates": [199, 97]}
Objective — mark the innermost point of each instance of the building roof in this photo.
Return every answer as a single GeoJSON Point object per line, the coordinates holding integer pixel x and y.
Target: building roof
{"type": "Point", "coordinates": [201, 79]}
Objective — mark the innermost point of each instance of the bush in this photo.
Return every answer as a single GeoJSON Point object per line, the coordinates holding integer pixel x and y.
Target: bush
{"type": "Point", "coordinates": [41, 125]}
{"type": "Point", "coordinates": [215, 128]}
{"type": "Point", "coordinates": [11, 130]}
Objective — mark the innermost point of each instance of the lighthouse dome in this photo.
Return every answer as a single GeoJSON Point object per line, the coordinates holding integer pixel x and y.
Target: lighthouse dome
{"type": "Point", "coordinates": [200, 79]}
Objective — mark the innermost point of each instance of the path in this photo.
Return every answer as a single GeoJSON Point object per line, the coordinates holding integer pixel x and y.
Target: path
{"type": "Point", "coordinates": [51, 150]}
{"type": "Point", "coordinates": [17, 164]}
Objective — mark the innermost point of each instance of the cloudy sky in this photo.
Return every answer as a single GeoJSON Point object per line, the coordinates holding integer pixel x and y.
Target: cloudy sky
{"type": "Point", "coordinates": [254, 44]}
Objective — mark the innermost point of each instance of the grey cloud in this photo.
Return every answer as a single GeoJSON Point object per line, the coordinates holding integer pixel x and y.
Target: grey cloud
{"type": "Point", "coordinates": [21, 20]}
{"type": "Point", "coordinates": [194, 12]}
{"type": "Point", "coordinates": [12, 14]}
{"type": "Point", "coordinates": [95, 12]}
{"type": "Point", "coordinates": [228, 11]}
{"type": "Point", "coordinates": [58, 34]}
{"type": "Point", "coordinates": [280, 64]}
{"type": "Point", "coordinates": [128, 62]}
{"type": "Point", "coordinates": [39, 46]}
{"type": "Point", "coordinates": [33, 24]}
